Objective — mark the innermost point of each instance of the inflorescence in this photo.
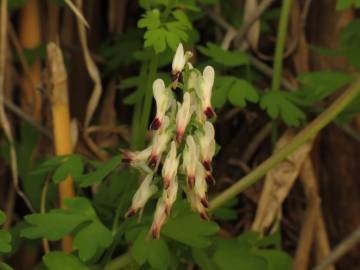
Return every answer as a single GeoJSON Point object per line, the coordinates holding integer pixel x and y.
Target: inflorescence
{"type": "Point", "coordinates": [183, 142]}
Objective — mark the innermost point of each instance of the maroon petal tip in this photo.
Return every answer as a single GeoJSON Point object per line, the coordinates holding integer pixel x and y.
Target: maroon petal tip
{"type": "Point", "coordinates": [205, 202]}
{"type": "Point", "coordinates": [207, 165]}
{"type": "Point", "coordinates": [166, 183]}
{"type": "Point", "coordinates": [204, 216]}
{"type": "Point", "coordinates": [209, 112]}
{"type": "Point", "coordinates": [155, 124]}
{"type": "Point", "coordinates": [130, 212]}
{"type": "Point", "coordinates": [191, 181]}
{"type": "Point", "coordinates": [152, 160]}
{"type": "Point", "coordinates": [210, 179]}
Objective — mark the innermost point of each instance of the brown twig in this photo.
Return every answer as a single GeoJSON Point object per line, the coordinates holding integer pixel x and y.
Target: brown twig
{"type": "Point", "coordinates": [340, 250]}
{"type": "Point", "coordinates": [44, 191]}
{"type": "Point", "coordinates": [3, 118]}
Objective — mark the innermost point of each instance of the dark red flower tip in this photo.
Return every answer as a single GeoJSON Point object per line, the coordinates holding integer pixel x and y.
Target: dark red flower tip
{"type": "Point", "coordinates": [204, 215]}
{"type": "Point", "coordinates": [152, 160]}
{"type": "Point", "coordinates": [155, 233]}
{"type": "Point", "coordinates": [130, 212]}
{"type": "Point", "coordinates": [207, 165]}
{"type": "Point", "coordinates": [127, 157]}
{"type": "Point", "coordinates": [210, 179]}
{"type": "Point", "coordinates": [209, 112]}
{"type": "Point", "coordinates": [204, 202]}
{"type": "Point", "coordinates": [155, 124]}
{"type": "Point", "coordinates": [191, 180]}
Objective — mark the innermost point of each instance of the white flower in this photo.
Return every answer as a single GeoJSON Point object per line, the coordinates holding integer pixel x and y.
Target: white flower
{"type": "Point", "coordinates": [197, 108]}
{"type": "Point", "coordinates": [192, 80]}
{"type": "Point", "coordinates": [200, 187]}
{"type": "Point", "coordinates": [142, 195]}
{"type": "Point", "coordinates": [183, 117]}
{"type": "Point", "coordinates": [170, 167]}
{"type": "Point", "coordinates": [138, 159]}
{"type": "Point", "coordinates": [196, 204]}
{"type": "Point", "coordinates": [163, 98]}
{"type": "Point", "coordinates": [190, 159]}
{"type": "Point", "coordinates": [169, 195]}
{"type": "Point", "coordinates": [204, 90]}
{"type": "Point", "coordinates": [159, 219]}
{"type": "Point", "coordinates": [207, 144]}
{"type": "Point", "coordinates": [160, 141]}
{"type": "Point", "coordinates": [179, 62]}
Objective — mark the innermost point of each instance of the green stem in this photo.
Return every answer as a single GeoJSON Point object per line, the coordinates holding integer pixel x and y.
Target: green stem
{"type": "Point", "coordinates": [136, 121]}
{"type": "Point", "coordinates": [307, 133]}
{"type": "Point", "coordinates": [148, 100]}
{"type": "Point", "coordinates": [280, 44]}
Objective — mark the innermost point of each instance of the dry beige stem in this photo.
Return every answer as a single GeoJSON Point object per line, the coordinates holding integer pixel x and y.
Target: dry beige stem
{"type": "Point", "coordinates": [3, 118]}
{"type": "Point", "coordinates": [61, 121]}
{"type": "Point", "coordinates": [253, 34]}
{"type": "Point", "coordinates": [92, 70]}
{"type": "Point", "coordinates": [77, 13]}
{"type": "Point", "coordinates": [322, 246]}
{"type": "Point", "coordinates": [278, 183]}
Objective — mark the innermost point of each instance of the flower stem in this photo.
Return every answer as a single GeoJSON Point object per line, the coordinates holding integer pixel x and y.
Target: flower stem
{"type": "Point", "coordinates": [148, 100]}
{"type": "Point", "coordinates": [121, 262]}
{"type": "Point", "coordinates": [307, 133]}
{"type": "Point", "coordinates": [280, 44]}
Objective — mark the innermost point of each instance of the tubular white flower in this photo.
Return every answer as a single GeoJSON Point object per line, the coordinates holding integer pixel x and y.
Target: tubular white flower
{"type": "Point", "coordinates": [163, 99]}
{"type": "Point", "coordinates": [196, 108]}
{"type": "Point", "coordinates": [190, 159]}
{"type": "Point", "coordinates": [183, 117]}
{"type": "Point", "coordinates": [142, 195]}
{"type": "Point", "coordinates": [192, 80]}
{"type": "Point", "coordinates": [195, 204]}
{"type": "Point", "coordinates": [170, 167]}
{"type": "Point", "coordinates": [207, 144]}
{"type": "Point", "coordinates": [200, 187]}
{"type": "Point", "coordinates": [179, 62]}
{"type": "Point", "coordinates": [138, 159]}
{"type": "Point", "coordinates": [204, 90]}
{"type": "Point", "coordinates": [159, 219]}
{"type": "Point", "coordinates": [169, 195]}
{"type": "Point", "coordinates": [160, 141]}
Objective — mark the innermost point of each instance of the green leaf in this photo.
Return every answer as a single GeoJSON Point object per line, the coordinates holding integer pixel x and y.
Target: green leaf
{"type": "Point", "coordinates": [100, 173]}
{"type": "Point", "coordinates": [276, 259]}
{"type": "Point", "coordinates": [182, 17]}
{"type": "Point", "coordinates": [190, 229]}
{"type": "Point", "coordinates": [15, 4]}
{"type": "Point", "coordinates": [315, 86]}
{"type": "Point", "coordinates": [242, 91]}
{"type": "Point", "coordinates": [155, 252]}
{"type": "Point", "coordinates": [226, 211]}
{"type": "Point", "coordinates": [58, 260]}
{"type": "Point", "coordinates": [151, 20]}
{"type": "Point", "coordinates": [350, 111]}
{"type": "Point", "coordinates": [156, 38]}
{"type": "Point", "coordinates": [343, 4]}
{"type": "Point", "coordinates": [350, 41]}
{"type": "Point", "coordinates": [222, 86]}
{"type": "Point", "coordinates": [2, 217]}
{"type": "Point", "coordinates": [52, 226]}
{"type": "Point", "coordinates": [80, 219]}
{"type": "Point", "coordinates": [71, 166]}
{"type": "Point", "coordinates": [87, 244]}
{"type": "Point", "coordinates": [4, 266]}
{"type": "Point", "coordinates": [226, 58]}
{"type": "Point", "coordinates": [5, 239]}
{"type": "Point", "coordinates": [230, 254]}
{"type": "Point", "coordinates": [202, 259]}
{"type": "Point", "coordinates": [278, 105]}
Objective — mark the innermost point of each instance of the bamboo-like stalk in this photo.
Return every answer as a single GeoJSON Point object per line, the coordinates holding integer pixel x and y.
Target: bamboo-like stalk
{"type": "Point", "coordinates": [30, 38]}
{"type": "Point", "coordinates": [61, 121]}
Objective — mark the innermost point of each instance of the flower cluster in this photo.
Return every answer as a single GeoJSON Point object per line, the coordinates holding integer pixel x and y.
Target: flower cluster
{"type": "Point", "coordinates": [183, 142]}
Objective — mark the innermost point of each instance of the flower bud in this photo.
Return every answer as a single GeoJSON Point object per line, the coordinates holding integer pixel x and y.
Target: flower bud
{"type": "Point", "coordinates": [137, 159]}
{"type": "Point", "coordinates": [142, 195]}
{"type": "Point", "coordinates": [169, 195]}
{"type": "Point", "coordinates": [190, 159]}
{"type": "Point", "coordinates": [196, 204]}
{"type": "Point", "coordinates": [160, 141]}
{"type": "Point", "coordinates": [170, 167]}
{"type": "Point", "coordinates": [200, 187]}
{"type": "Point", "coordinates": [159, 219]}
{"type": "Point", "coordinates": [183, 117]}
{"type": "Point", "coordinates": [207, 144]}
{"type": "Point", "coordinates": [204, 90]}
{"type": "Point", "coordinates": [163, 99]}
{"type": "Point", "coordinates": [179, 62]}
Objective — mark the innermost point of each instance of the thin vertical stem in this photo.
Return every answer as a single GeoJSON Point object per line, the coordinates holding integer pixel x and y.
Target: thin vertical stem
{"type": "Point", "coordinates": [148, 99]}
{"type": "Point", "coordinates": [280, 44]}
